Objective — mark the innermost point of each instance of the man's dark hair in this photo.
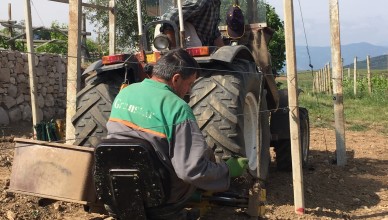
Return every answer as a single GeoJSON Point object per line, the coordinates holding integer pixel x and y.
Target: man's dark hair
{"type": "Point", "coordinates": [175, 61]}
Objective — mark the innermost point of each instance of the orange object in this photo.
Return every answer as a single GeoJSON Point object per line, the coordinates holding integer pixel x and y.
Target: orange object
{"type": "Point", "coordinates": [198, 51]}
{"type": "Point", "coordinates": [123, 86]}
{"type": "Point", "coordinates": [113, 59]}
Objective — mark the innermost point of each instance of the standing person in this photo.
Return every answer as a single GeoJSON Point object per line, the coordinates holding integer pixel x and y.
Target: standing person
{"type": "Point", "coordinates": [155, 111]}
{"type": "Point", "coordinates": [203, 15]}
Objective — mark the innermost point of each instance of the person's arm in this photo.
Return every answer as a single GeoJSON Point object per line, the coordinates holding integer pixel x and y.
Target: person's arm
{"type": "Point", "coordinates": [191, 159]}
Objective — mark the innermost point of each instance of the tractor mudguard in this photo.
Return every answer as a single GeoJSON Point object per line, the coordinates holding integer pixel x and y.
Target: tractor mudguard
{"type": "Point", "coordinates": [92, 67]}
{"type": "Point", "coordinates": [99, 67]}
{"type": "Point", "coordinates": [229, 53]}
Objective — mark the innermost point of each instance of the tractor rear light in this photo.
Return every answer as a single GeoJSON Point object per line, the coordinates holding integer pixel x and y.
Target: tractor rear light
{"type": "Point", "coordinates": [118, 58]}
{"type": "Point", "coordinates": [198, 51]}
{"type": "Point", "coordinates": [153, 57]}
{"type": "Point", "coordinates": [161, 42]}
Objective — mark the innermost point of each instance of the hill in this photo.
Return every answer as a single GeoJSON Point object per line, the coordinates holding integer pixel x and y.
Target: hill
{"type": "Point", "coordinates": [379, 62]}
{"type": "Point", "coordinates": [322, 55]}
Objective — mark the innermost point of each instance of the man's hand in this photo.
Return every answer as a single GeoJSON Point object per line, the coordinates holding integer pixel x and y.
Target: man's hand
{"type": "Point", "coordinates": [237, 166]}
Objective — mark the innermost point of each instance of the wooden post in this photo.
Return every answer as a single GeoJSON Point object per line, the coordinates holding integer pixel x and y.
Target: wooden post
{"type": "Point", "coordinates": [337, 84]}
{"type": "Point", "coordinates": [321, 78]}
{"type": "Point", "coordinates": [83, 39]}
{"type": "Point", "coordinates": [84, 4]}
{"type": "Point", "coordinates": [314, 82]}
{"type": "Point", "coordinates": [10, 29]}
{"type": "Point", "coordinates": [73, 65]}
{"type": "Point", "coordinates": [319, 81]}
{"type": "Point", "coordinates": [369, 80]}
{"type": "Point", "coordinates": [112, 27]}
{"type": "Point", "coordinates": [99, 42]}
{"type": "Point", "coordinates": [292, 83]}
{"type": "Point", "coordinates": [36, 118]}
{"type": "Point", "coordinates": [342, 67]}
{"type": "Point", "coordinates": [355, 76]}
{"type": "Point", "coordinates": [324, 78]}
{"type": "Point", "coordinates": [349, 73]}
{"type": "Point", "coordinates": [317, 84]}
{"type": "Point", "coordinates": [329, 88]}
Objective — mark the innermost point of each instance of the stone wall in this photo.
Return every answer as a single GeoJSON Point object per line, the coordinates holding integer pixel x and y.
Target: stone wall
{"type": "Point", "coordinates": [15, 98]}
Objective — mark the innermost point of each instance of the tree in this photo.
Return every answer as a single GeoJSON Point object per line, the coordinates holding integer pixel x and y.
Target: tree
{"type": "Point", "coordinates": [127, 27]}
{"type": "Point", "coordinates": [277, 46]}
{"type": "Point", "coordinates": [5, 35]}
{"type": "Point", "coordinates": [126, 20]}
{"type": "Point", "coordinates": [59, 43]}
{"type": "Point", "coordinates": [57, 39]}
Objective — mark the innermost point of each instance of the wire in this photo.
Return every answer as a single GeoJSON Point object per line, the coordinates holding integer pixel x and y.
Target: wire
{"type": "Point", "coordinates": [200, 68]}
{"type": "Point", "coordinates": [126, 132]}
{"type": "Point", "coordinates": [312, 71]}
{"type": "Point", "coordinates": [305, 36]}
{"type": "Point", "coordinates": [32, 2]}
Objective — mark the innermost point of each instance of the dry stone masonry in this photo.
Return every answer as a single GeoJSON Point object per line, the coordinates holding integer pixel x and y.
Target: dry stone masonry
{"type": "Point", "coordinates": [15, 98]}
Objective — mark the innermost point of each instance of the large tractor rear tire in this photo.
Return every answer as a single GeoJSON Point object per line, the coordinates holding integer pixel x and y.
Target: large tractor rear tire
{"type": "Point", "coordinates": [283, 147]}
{"type": "Point", "coordinates": [225, 103]}
{"type": "Point", "coordinates": [94, 104]}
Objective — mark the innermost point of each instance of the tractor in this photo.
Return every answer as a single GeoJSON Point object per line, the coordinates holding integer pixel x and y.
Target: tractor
{"type": "Point", "coordinates": [236, 101]}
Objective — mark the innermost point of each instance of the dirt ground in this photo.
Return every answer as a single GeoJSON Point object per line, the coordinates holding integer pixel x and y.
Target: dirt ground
{"type": "Point", "coordinates": [358, 190]}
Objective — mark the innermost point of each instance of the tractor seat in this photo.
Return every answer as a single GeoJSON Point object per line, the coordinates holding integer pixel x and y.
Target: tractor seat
{"type": "Point", "coordinates": [130, 179]}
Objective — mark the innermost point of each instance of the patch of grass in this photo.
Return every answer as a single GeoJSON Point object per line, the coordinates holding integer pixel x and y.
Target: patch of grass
{"type": "Point", "coordinates": [362, 111]}
{"type": "Point", "coordinates": [358, 127]}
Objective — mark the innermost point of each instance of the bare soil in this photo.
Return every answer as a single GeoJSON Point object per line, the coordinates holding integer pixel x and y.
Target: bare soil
{"type": "Point", "coordinates": [358, 190]}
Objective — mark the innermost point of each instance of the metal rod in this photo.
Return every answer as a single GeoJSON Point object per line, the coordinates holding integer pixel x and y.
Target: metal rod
{"type": "Point", "coordinates": [139, 18]}
{"type": "Point", "coordinates": [181, 24]}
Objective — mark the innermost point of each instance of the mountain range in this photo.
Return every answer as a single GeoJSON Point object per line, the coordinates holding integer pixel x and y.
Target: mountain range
{"type": "Point", "coordinates": [322, 55]}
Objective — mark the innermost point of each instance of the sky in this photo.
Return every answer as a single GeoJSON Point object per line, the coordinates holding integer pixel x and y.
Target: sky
{"type": "Point", "coordinates": [360, 21]}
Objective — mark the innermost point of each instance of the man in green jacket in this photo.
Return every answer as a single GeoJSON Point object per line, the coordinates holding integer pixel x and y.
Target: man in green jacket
{"type": "Point", "coordinates": [154, 110]}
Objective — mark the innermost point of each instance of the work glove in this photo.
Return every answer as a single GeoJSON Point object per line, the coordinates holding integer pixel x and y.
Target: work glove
{"type": "Point", "coordinates": [237, 166]}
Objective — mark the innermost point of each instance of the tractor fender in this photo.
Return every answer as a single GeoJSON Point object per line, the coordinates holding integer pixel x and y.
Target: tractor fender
{"type": "Point", "coordinates": [99, 67]}
{"type": "Point", "coordinates": [130, 63]}
{"type": "Point", "coordinates": [229, 53]}
{"type": "Point", "coordinates": [273, 94]}
{"type": "Point", "coordinates": [92, 67]}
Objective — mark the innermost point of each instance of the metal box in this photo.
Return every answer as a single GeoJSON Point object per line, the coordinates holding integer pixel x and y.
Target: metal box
{"type": "Point", "coordinates": [52, 170]}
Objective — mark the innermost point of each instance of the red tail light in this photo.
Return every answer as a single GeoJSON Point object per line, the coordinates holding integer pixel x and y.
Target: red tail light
{"type": "Point", "coordinates": [198, 51]}
{"type": "Point", "coordinates": [113, 59]}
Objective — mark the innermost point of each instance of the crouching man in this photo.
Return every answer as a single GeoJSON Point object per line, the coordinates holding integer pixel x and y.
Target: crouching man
{"type": "Point", "coordinates": [154, 110]}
